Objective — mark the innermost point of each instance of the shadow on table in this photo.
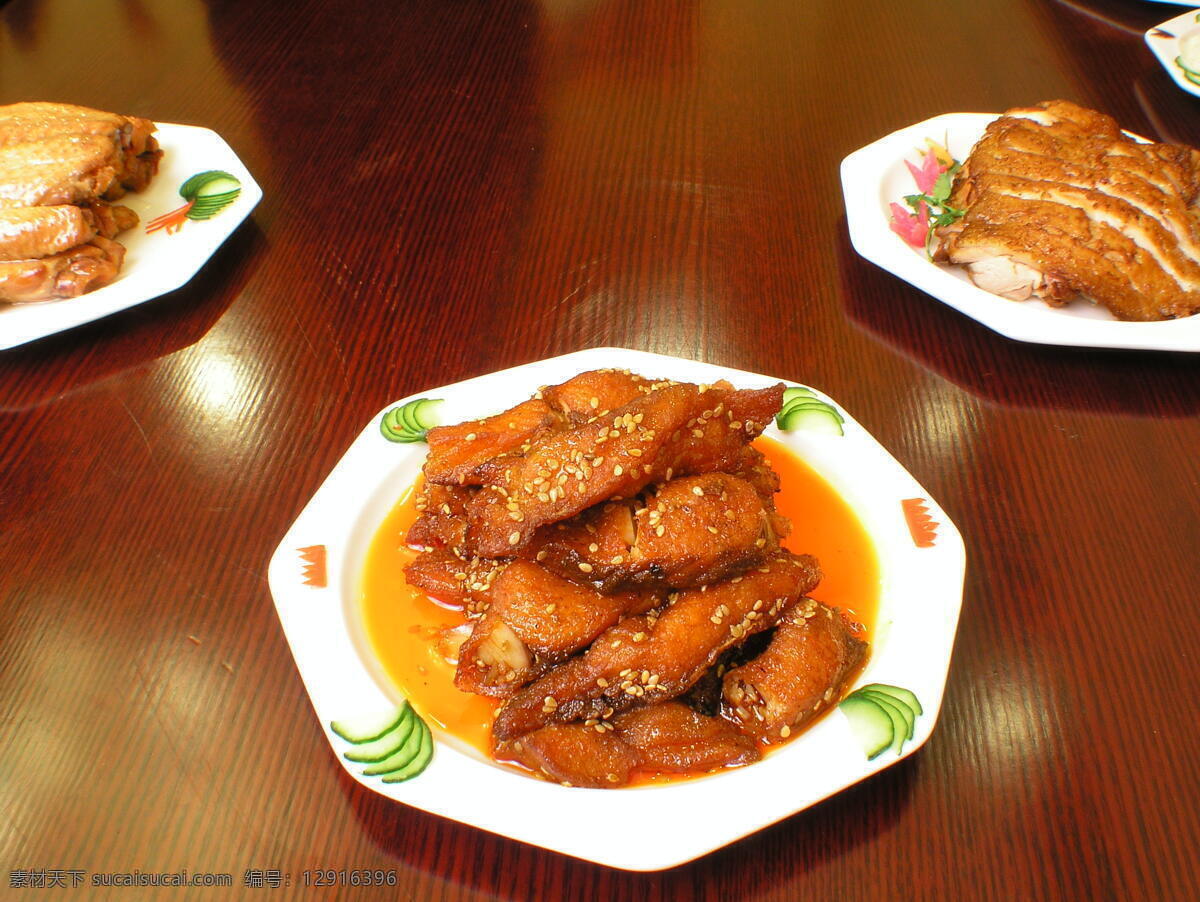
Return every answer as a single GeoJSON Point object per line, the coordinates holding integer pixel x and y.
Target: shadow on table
{"type": "Point", "coordinates": [69, 361]}
{"type": "Point", "coordinates": [772, 858]}
{"type": "Point", "coordinates": [998, 369]}
{"type": "Point", "coordinates": [1174, 113]}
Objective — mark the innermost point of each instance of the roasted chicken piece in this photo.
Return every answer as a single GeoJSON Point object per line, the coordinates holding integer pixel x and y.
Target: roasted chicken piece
{"type": "Point", "coordinates": [1060, 202]}
{"type": "Point", "coordinates": [663, 738]}
{"type": "Point", "coordinates": [136, 152]}
{"type": "Point", "coordinates": [27, 233]}
{"type": "Point", "coordinates": [653, 657]}
{"type": "Point", "coordinates": [677, 429]}
{"type": "Point", "coordinates": [64, 275]}
{"type": "Point", "coordinates": [806, 667]}
{"type": "Point", "coordinates": [65, 169]}
{"type": "Point", "coordinates": [686, 532]}
{"type": "Point", "coordinates": [532, 620]}
{"type": "Point", "coordinates": [456, 453]}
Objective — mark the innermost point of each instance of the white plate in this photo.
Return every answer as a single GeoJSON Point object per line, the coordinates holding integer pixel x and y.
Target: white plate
{"type": "Point", "coordinates": [918, 615]}
{"type": "Point", "coordinates": [1164, 41]}
{"type": "Point", "coordinates": [157, 262]}
{"type": "Point", "coordinates": [875, 176]}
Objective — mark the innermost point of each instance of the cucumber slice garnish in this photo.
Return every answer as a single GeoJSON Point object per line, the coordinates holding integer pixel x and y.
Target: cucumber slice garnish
{"type": "Point", "coordinates": [907, 696]}
{"type": "Point", "coordinates": [409, 422]}
{"type": "Point", "coordinates": [403, 755]}
{"type": "Point", "coordinates": [425, 412]}
{"type": "Point", "coordinates": [370, 727]}
{"type": "Point", "coordinates": [809, 404]}
{"type": "Point", "coordinates": [387, 744]}
{"type": "Point", "coordinates": [797, 391]}
{"type": "Point", "coordinates": [812, 419]}
{"type": "Point", "coordinates": [871, 725]}
{"type": "Point", "coordinates": [910, 718]}
{"type": "Point", "coordinates": [899, 721]}
{"type": "Point", "coordinates": [214, 181]}
{"type": "Point", "coordinates": [419, 762]}
{"type": "Point", "coordinates": [408, 416]}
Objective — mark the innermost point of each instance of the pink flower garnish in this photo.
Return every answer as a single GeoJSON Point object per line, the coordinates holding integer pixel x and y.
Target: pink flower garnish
{"type": "Point", "coordinates": [926, 177]}
{"type": "Point", "coordinates": [912, 227]}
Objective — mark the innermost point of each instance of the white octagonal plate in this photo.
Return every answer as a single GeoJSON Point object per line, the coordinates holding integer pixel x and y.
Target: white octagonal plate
{"type": "Point", "coordinates": [1164, 40]}
{"type": "Point", "coordinates": [875, 176]}
{"type": "Point", "coordinates": [315, 577]}
{"type": "Point", "coordinates": [157, 260]}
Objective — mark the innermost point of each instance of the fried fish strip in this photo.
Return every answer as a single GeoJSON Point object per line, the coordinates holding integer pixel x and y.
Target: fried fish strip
{"type": "Point", "coordinates": [595, 393]}
{"type": "Point", "coordinates": [457, 452]}
{"type": "Point", "coordinates": [533, 620]}
{"type": "Point", "coordinates": [449, 578]}
{"type": "Point", "coordinates": [574, 755]}
{"type": "Point", "coordinates": [672, 738]}
{"type": "Point", "coordinates": [443, 520]}
{"type": "Point", "coordinates": [812, 655]}
{"type": "Point", "coordinates": [650, 658]}
{"type": "Point", "coordinates": [689, 531]}
{"type": "Point", "coordinates": [664, 738]}
{"type": "Point", "coordinates": [677, 429]}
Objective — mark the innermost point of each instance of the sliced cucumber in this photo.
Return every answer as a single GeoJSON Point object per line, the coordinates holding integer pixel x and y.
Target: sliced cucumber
{"type": "Point", "coordinates": [419, 762]}
{"type": "Point", "coordinates": [218, 179]}
{"type": "Point", "coordinates": [371, 727]}
{"type": "Point", "coordinates": [224, 186]}
{"type": "Point", "coordinates": [910, 719]}
{"type": "Point", "coordinates": [810, 404]}
{"type": "Point", "coordinates": [386, 745]}
{"type": "Point", "coordinates": [408, 416]}
{"type": "Point", "coordinates": [812, 419]}
{"type": "Point", "coordinates": [403, 755]}
{"type": "Point", "coordinates": [425, 413]}
{"type": "Point", "coordinates": [900, 723]}
{"type": "Point", "coordinates": [907, 696]}
{"type": "Point", "coordinates": [797, 391]}
{"type": "Point", "coordinates": [409, 422]}
{"type": "Point", "coordinates": [872, 726]}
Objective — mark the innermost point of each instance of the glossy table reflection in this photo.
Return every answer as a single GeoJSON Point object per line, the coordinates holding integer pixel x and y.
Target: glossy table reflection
{"type": "Point", "coordinates": [452, 188]}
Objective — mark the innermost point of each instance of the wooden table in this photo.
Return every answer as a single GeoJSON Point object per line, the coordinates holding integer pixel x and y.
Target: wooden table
{"type": "Point", "coordinates": [452, 188]}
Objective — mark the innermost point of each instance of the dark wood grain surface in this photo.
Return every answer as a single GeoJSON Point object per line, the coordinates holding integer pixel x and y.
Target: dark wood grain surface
{"type": "Point", "coordinates": [455, 187]}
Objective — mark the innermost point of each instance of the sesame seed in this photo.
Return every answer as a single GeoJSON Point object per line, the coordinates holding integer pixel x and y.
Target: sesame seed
{"type": "Point", "coordinates": [471, 436]}
{"type": "Point", "coordinates": [586, 568]}
{"type": "Point", "coordinates": [514, 537]}
{"type": "Point", "coordinates": [618, 470]}
{"type": "Point", "coordinates": [593, 547]}
{"type": "Point", "coordinates": [785, 731]}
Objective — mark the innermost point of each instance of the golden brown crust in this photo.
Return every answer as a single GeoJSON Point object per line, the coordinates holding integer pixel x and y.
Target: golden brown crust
{"type": "Point", "coordinates": [651, 658]}
{"type": "Point", "coordinates": [803, 671]}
